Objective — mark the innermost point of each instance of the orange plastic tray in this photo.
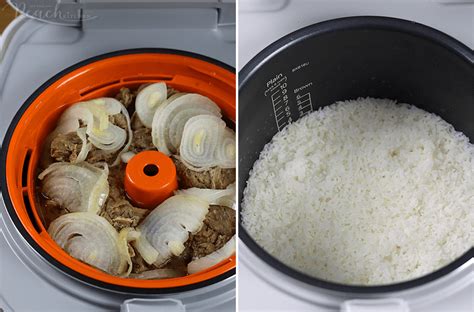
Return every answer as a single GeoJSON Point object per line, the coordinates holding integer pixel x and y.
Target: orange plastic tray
{"type": "Point", "coordinates": [97, 79]}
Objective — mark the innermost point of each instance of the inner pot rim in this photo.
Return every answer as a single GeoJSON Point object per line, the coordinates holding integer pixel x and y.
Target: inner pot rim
{"type": "Point", "coordinates": [329, 26]}
{"type": "Point", "coordinates": [11, 211]}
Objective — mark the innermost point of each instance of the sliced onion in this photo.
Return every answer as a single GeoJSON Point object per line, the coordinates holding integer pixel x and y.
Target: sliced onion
{"type": "Point", "coordinates": [148, 100]}
{"type": "Point", "coordinates": [86, 147]}
{"type": "Point", "coordinates": [214, 258]}
{"type": "Point", "coordinates": [112, 105]}
{"type": "Point", "coordinates": [126, 235]}
{"type": "Point", "coordinates": [135, 122]}
{"type": "Point", "coordinates": [69, 120]}
{"type": "Point", "coordinates": [165, 230]}
{"type": "Point", "coordinates": [145, 249]}
{"type": "Point", "coordinates": [129, 134]}
{"type": "Point", "coordinates": [101, 133]}
{"type": "Point", "coordinates": [226, 149]}
{"type": "Point", "coordinates": [111, 140]}
{"type": "Point", "coordinates": [160, 109]}
{"type": "Point", "coordinates": [93, 113]}
{"type": "Point", "coordinates": [200, 140]}
{"type": "Point", "coordinates": [225, 197]}
{"type": "Point", "coordinates": [76, 187]}
{"type": "Point", "coordinates": [91, 239]}
{"type": "Point", "coordinates": [157, 274]}
{"type": "Point", "coordinates": [125, 157]}
{"type": "Point", "coordinates": [168, 123]}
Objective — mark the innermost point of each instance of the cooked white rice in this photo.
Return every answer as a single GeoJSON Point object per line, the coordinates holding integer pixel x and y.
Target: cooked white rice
{"type": "Point", "coordinates": [364, 192]}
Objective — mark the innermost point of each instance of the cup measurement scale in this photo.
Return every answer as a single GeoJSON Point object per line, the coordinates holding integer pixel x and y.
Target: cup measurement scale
{"type": "Point", "coordinates": [285, 98]}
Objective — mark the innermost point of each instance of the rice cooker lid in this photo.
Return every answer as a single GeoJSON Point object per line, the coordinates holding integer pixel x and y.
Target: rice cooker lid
{"type": "Point", "coordinates": [74, 13]}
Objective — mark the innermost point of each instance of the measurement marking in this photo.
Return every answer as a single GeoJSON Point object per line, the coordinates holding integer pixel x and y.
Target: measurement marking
{"type": "Point", "coordinates": [272, 88]}
{"type": "Point", "coordinates": [278, 115]}
{"type": "Point", "coordinates": [275, 86]}
{"type": "Point", "coordinates": [301, 102]}
{"type": "Point", "coordinates": [298, 96]}
{"type": "Point", "coordinates": [275, 93]}
{"type": "Point", "coordinates": [304, 106]}
{"type": "Point", "coordinates": [278, 120]}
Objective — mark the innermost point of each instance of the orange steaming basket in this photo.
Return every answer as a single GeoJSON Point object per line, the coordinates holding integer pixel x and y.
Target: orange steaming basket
{"type": "Point", "coordinates": [99, 77]}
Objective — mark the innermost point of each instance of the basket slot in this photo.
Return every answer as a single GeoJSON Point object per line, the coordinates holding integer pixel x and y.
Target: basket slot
{"type": "Point", "coordinates": [148, 78]}
{"type": "Point", "coordinates": [24, 172]}
{"type": "Point", "coordinates": [98, 87]}
{"type": "Point", "coordinates": [29, 211]}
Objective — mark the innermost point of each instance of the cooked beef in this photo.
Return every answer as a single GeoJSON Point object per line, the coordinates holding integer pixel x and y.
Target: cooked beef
{"type": "Point", "coordinates": [119, 120]}
{"type": "Point", "coordinates": [171, 91]}
{"type": "Point", "coordinates": [218, 228]}
{"type": "Point", "coordinates": [121, 214]}
{"type": "Point", "coordinates": [180, 263]}
{"type": "Point", "coordinates": [221, 219]}
{"type": "Point", "coordinates": [215, 178]}
{"type": "Point", "coordinates": [142, 140]}
{"type": "Point", "coordinates": [136, 123]}
{"type": "Point", "coordinates": [66, 147]}
{"type": "Point", "coordinates": [219, 224]}
{"type": "Point", "coordinates": [139, 265]}
{"type": "Point", "coordinates": [96, 155]}
{"type": "Point", "coordinates": [116, 189]}
{"type": "Point", "coordinates": [126, 97]}
{"type": "Point", "coordinates": [117, 209]}
{"type": "Point", "coordinates": [51, 210]}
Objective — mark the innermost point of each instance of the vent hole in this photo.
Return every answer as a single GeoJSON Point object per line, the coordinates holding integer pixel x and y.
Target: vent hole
{"type": "Point", "coordinates": [151, 170]}
{"type": "Point", "coordinates": [148, 78]}
{"type": "Point", "coordinates": [29, 211]}
{"type": "Point", "coordinates": [24, 172]}
{"type": "Point", "coordinates": [98, 87]}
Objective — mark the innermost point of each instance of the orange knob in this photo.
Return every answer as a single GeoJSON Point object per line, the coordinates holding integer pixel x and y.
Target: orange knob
{"type": "Point", "coordinates": [150, 178]}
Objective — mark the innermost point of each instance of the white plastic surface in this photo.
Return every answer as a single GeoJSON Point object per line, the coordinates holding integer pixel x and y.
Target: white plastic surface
{"type": "Point", "coordinates": [375, 305]}
{"type": "Point", "coordinates": [37, 51]}
{"type": "Point", "coordinates": [276, 18]}
{"type": "Point", "coordinates": [262, 22]}
{"type": "Point", "coordinates": [16, 281]}
{"type": "Point", "coordinates": [262, 288]}
{"type": "Point", "coordinates": [74, 13]}
{"type": "Point", "coordinates": [152, 305]}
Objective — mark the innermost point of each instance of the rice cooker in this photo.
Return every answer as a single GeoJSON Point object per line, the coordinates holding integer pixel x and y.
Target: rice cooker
{"type": "Point", "coordinates": [343, 58]}
{"type": "Point", "coordinates": [58, 53]}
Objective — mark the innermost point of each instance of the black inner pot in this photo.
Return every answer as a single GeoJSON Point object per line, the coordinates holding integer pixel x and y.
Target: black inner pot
{"type": "Point", "coordinates": [345, 59]}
